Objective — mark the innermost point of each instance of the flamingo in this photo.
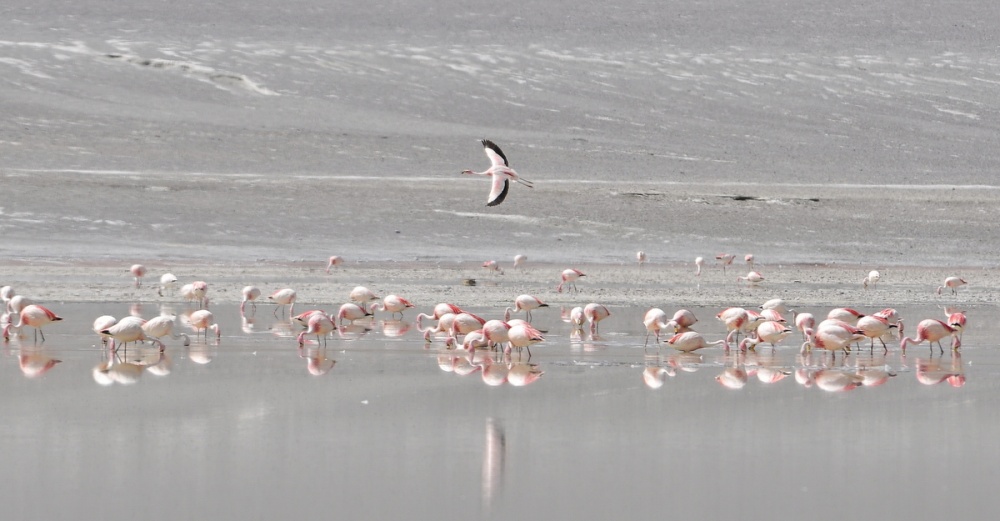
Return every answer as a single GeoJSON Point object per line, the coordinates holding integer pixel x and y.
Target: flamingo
{"type": "Point", "coordinates": [749, 260]}
{"type": "Point", "coordinates": [203, 320]}
{"type": "Point", "coordinates": [351, 312]}
{"type": "Point", "coordinates": [734, 319]}
{"type": "Point", "coordinates": [641, 257]}
{"type": "Point", "coordinates": [525, 303]}
{"type": "Point", "coordinates": [138, 271]}
{"type": "Point", "coordinates": [195, 292]}
{"type": "Point", "coordinates": [335, 260]}
{"type": "Point", "coordinates": [778, 305]}
{"type": "Point", "coordinates": [283, 297]}
{"type": "Point", "coordinates": [699, 263]}
{"type": "Point", "coordinates": [34, 316]}
{"type": "Point", "coordinates": [569, 277]}
{"type": "Point", "coordinates": [101, 323]}
{"type": "Point", "coordinates": [752, 279]}
{"type": "Point", "coordinates": [465, 323]}
{"type": "Point", "coordinates": [302, 319]}
{"type": "Point", "coordinates": [321, 325]}
{"type": "Point", "coordinates": [595, 313]}
{"type": "Point", "coordinates": [725, 259]}
{"type": "Point", "coordinates": [952, 283]}
{"type": "Point", "coordinates": [871, 280]}
{"type": "Point", "coordinates": [833, 335]}
{"type": "Point", "coordinates": [167, 281]}
{"type": "Point", "coordinates": [691, 341]}
{"type": "Point", "coordinates": [519, 261]}
{"type": "Point", "coordinates": [496, 332]}
{"type": "Point", "coordinates": [957, 322]}
{"type": "Point", "coordinates": [6, 293]}
{"type": "Point", "coordinates": [161, 326]}
{"type": "Point", "coordinates": [18, 303]}
{"type": "Point", "coordinates": [475, 340]}
{"type": "Point", "coordinates": [768, 331]}
{"type": "Point", "coordinates": [523, 336]}
{"type": "Point", "coordinates": [848, 315]}
{"type": "Point", "coordinates": [683, 320]}
{"type": "Point", "coordinates": [875, 326]}
{"type": "Point", "coordinates": [492, 267]}
{"type": "Point", "coordinates": [500, 172]}
{"type": "Point", "coordinates": [363, 295]}
{"type": "Point", "coordinates": [576, 317]}
{"type": "Point", "coordinates": [804, 321]}
{"type": "Point", "coordinates": [444, 325]}
{"type": "Point", "coordinates": [932, 331]}
{"type": "Point", "coordinates": [129, 329]}
{"type": "Point", "coordinates": [440, 309]}
{"type": "Point", "coordinates": [393, 304]}
{"type": "Point", "coordinates": [772, 314]}
{"type": "Point", "coordinates": [655, 321]}
{"type": "Point", "coordinates": [250, 294]}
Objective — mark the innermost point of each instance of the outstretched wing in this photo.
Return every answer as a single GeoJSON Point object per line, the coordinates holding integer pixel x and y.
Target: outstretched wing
{"type": "Point", "coordinates": [494, 153]}
{"type": "Point", "coordinates": [499, 191]}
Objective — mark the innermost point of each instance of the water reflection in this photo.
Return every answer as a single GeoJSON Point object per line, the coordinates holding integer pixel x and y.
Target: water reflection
{"type": "Point", "coordinates": [494, 462]}
{"type": "Point", "coordinates": [495, 368]}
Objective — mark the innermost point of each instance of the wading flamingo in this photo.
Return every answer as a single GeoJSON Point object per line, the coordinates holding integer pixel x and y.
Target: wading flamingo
{"type": "Point", "coordinates": [932, 331]}
{"type": "Point", "coordinates": [321, 325]}
{"type": "Point", "coordinates": [851, 316]}
{"type": "Point", "coordinates": [569, 277]}
{"type": "Point", "coordinates": [138, 271]}
{"type": "Point", "coordinates": [871, 280]}
{"type": "Point", "coordinates": [655, 320]}
{"type": "Point", "coordinates": [525, 303]}
{"type": "Point", "coordinates": [250, 294]}
{"type": "Point", "coordinates": [833, 335]}
{"type": "Point", "coordinates": [804, 321]}
{"type": "Point", "coordinates": [500, 172]}
{"type": "Point", "coordinates": [203, 320]}
{"type": "Point", "coordinates": [952, 283]}
{"type": "Point", "coordinates": [699, 263]}
{"type": "Point", "coordinates": [595, 313]}
{"type": "Point", "coordinates": [523, 336]}
{"type": "Point", "coordinates": [752, 279]}
{"type": "Point", "coordinates": [749, 259]}
{"type": "Point", "coordinates": [351, 312]}
{"type": "Point", "coordinates": [725, 259]}
{"type": "Point", "coordinates": [284, 297]}
{"type": "Point", "coordinates": [735, 319]}
{"type": "Point", "coordinates": [161, 326]}
{"type": "Point", "coordinates": [874, 326]}
{"type": "Point", "coordinates": [641, 257]}
{"type": "Point", "coordinates": [362, 295]}
{"type": "Point", "coordinates": [335, 260]}
{"type": "Point", "coordinates": [195, 292]}
{"type": "Point", "coordinates": [691, 341]}
{"type": "Point", "coordinates": [393, 304]}
{"type": "Point", "coordinates": [682, 321]}
{"type": "Point", "coordinates": [34, 316]}
{"type": "Point", "coordinates": [519, 261]}
{"type": "Point", "coordinates": [129, 329]}
{"type": "Point", "coordinates": [101, 323]}
{"type": "Point", "coordinates": [167, 281]}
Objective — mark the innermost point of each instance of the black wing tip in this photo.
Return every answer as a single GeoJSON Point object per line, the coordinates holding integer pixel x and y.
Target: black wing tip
{"type": "Point", "coordinates": [502, 196]}
{"type": "Point", "coordinates": [493, 146]}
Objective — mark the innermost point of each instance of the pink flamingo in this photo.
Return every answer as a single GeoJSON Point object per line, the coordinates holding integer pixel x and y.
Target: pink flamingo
{"type": "Point", "coordinates": [393, 304]}
{"type": "Point", "coordinates": [641, 257]}
{"type": "Point", "coordinates": [465, 323]}
{"type": "Point", "coordinates": [250, 294]}
{"type": "Point", "coordinates": [129, 329]}
{"type": "Point", "coordinates": [500, 172]}
{"type": "Point", "coordinates": [576, 317]}
{"type": "Point", "coordinates": [525, 303]}
{"type": "Point", "coordinates": [768, 331]}
{"type": "Point", "coordinates": [335, 260]}
{"type": "Point", "coordinates": [195, 292]}
{"type": "Point", "coordinates": [302, 319]}
{"type": "Point", "coordinates": [203, 320]}
{"type": "Point", "coordinates": [871, 280]}
{"type": "Point", "coordinates": [34, 316]}
{"type": "Point", "coordinates": [283, 297]}
{"type": "Point", "coordinates": [682, 320]}
{"type": "Point", "coordinates": [932, 331]}
{"type": "Point", "coordinates": [848, 315]}
{"type": "Point", "coordinates": [699, 263]}
{"type": "Point", "coordinates": [523, 336]}
{"type": "Point", "coordinates": [519, 261]}
{"type": "Point", "coordinates": [749, 260]}
{"type": "Point", "coordinates": [953, 284]}
{"type": "Point", "coordinates": [492, 267]}
{"type": "Point", "coordinates": [363, 295]}
{"type": "Point", "coordinates": [351, 312]}
{"type": "Point", "coordinates": [804, 321]}
{"type": "Point", "coordinates": [957, 322]}
{"type": "Point", "coordinates": [595, 313]}
{"type": "Point", "coordinates": [832, 335]}
{"type": "Point", "coordinates": [725, 259]}
{"type": "Point", "coordinates": [734, 319]}
{"type": "Point", "coordinates": [691, 341]}
{"type": "Point", "coordinates": [440, 309]}
{"type": "Point", "coordinates": [875, 326]}
{"type": "Point", "coordinates": [167, 281]}
{"type": "Point", "coordinates": [655, 320]}
{"type": "Point", "coordinates": [569, 277]}
{"type": "Point", "coordinates": [161, 326]}
{"type": "Point", "coordinates": [321, 325]}
{"type": "Point", "coordinates": [772, 314]}
{"type": "Point", "coordinates": [496, 332]}
{"type": "Point", "coordinates": [138, 271]}
{"type": "Point", "coordinates": [100, 324]}
{"type": "Point", "coordinates": [752, 279]}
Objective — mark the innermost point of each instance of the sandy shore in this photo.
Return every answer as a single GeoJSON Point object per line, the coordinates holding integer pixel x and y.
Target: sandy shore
{"type": "Point", "coordinates": [426, 284]}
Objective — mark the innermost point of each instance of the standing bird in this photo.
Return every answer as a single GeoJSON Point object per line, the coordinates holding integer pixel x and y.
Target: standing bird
{"type": "Point", "coordinates": [749, 259]}
{"type": "Point", "coordinates": [195, 292]}
{"type": "Point", "coordinates": [161, 326]}
{"type": "Point", "coordinates": [699, 263]}
{"type": "Point", "coordinates": [682, 321]}
{"type": "Point", "coordinates": [320, 325]}
{"type": "Point", "coordinates": [833, 335]}
{"type": "Point", "coordinates": [101, 323]}
{"type": "Point", "coordinates": [363, 296]}
{"type": "Point", "coordinates": [874, 326]}
{"type": "Point", "coordinates": [691, 341]}
{"type": "Point", "coordinates": [6, 293]}
{"type": "Point", "coordinates": [492, 267]}
{"type": "Point", "coordinates": [804, 321]}
{"type": "Point", "coordinates": [734, 319]}
{"type": "Point", "coordinates": [523, 336]}
{"type": "Point", "coordinates": [167, 281]}
{"type": "Point", "coordinates": [34, 316]}
{"type": "Point", "coordinates": [752, 279]}
{"type": "Point", "coordinates": [351, 312]}
{"type": "Point", "coordinates": [871, 280]}
{"type": "Point", "coordinates": [932, 331]}
{"type": "Point", "coordinates": [203, 320]}
{"type": "Point", "coordinates": [641, 257]}
{"type": "Point", "coordinates": [851, 316]}
{"type": "Point", "coordinates": [129, 329]}
{"type": "Point", "coordinates": [393, 304]}
{"type": "Point", "coordinates": [655, 321]}
{"type": "Point", "coordinates": [525, 303]}
{"type": "Point", "coordinates": [284, 297]}
{"type": "Point", "coordinates": [953, 283]}
{"type": "Point", "coordinates": [500, 172]}
{"type": "Point", "coordinates": [519, 261]}
{"type": "Point", "coordinates": [335, 260]}
{"type": "Point", "coordinates": [569, 277]}
{"type": "Point", "coordinates": [725, 259]}
{"type": "Point", "coordinates": [138, 271]}
{"type": "Point", "coordinates": [250, 294]}
{"type": "Point", "coordinates": [595, 313]}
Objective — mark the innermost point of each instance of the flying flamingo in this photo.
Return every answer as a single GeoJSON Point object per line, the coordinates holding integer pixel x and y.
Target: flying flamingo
{"type": "Point", "coordinates": [525, 303]}
{"type": "Point", "coordinates": [655, 321]}
{"type": "Point", "coordinates": [250, 294]}
{"type": "Point", "coordinates": [519, 261]}
{"type": "Point", "coordinates": [167, 281]}
{"type": "Point", "coordinates": [321, 325]}
{"type": "Point", "coordinates": [699, 263]}
{"type": "Point", "coordinates": [871, 280]}
{"type": "Point", "coordinates": [952, 283]}
{"type": "Point", "coordinates": [335, 260]}
{"type": "Point", "coordinates": [203, 320]}
{"type": "Point", "coordinates": [641, 257]}
{"type": "Point", "coordinates": [725, 259]}
{"type": "Point", "coordinates": [932, 331]}
{"type": "Point", "coordinates": [752, 279]}
{"type": "Point", "coordinates": [492, 267]}
{"type": "Point", "coordinates": [284, 297]}
{"type": "Point", "coordinates": [34, 316]}
{"type": "Point", "coordinates": [138, 271]}
{"type": "Point", "coordinates": [569, 277]}
{"type": "Point", "coordinates": [691, 341]}
{"type": "Point", "coordinates": [595, 313]}
{"type": "Point", "coordinates": [500, 172]}
{"type": "Point", "coordinates": [393, 304]}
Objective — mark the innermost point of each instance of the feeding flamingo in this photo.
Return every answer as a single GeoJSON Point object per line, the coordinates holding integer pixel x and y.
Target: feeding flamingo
{"type": "Point", "coordinates": [932, 331]}
{"type": "Point", "coordinates": [321, 325]}
{"type": "Point", "coordinates": [952, 283]}
{"type": "Point", "coordinates": [129, 329]}
{"type": "Point", "coordinates": [138, 271]}
{"type": "Point", "coordinates": [655, 320]}
{"type": "Point", "coordinates": [195, 292]}
{"type": "Point", "coordinates": [874, 326]}
{"type": "Point", "coordinates": [363, 295]}
{"type": "Point", "coordinates": [203, 320]}
{"type": "Point", "coordinates": [161, 326]}
{"type": "Point", "coordinates": [500, 173]}
{"type": "Point", "coordinates": [335, 260]}
{"type": "Point", "coordinates": [833, 335]}
{"type": "Point", "coordinates": [725, 259]}
{"type": "Point", "coordinates": [523, 336]}
{"type": "Point", "coordinates": [250, 294]}
{"type": "Point", "coordinates": [351, 312]}
{"type": "Point", "coordinates": [167, 281]}
{"type": "Point", "coordinates": [393, 304]}
{"type": "Point", "coordinates": [525, 303]}
{"type": "Point", "coordinates": [283, 297]}
{"type": "Point", "coordinates": [691, 341]}
{"type": "Point", "coordinates": [752, 279]}
{"type": "Point", "coordinates": [569, 277]}
{"type": "Point", "coordinates": [595, 313]}
{"type": "Point", "coordinates": [804, 321]}
{"type": "Point", "coordinates": [848, 315]}
{"type": "Point", "coordinates": [492, 267]}
{"type": "Point", "coordinates": [34, 316]}
{"type": "Point", "coordinates": [871, 280]}
{"type": "Point", "coordinates": [682, 320]}
{"type": "Point", "coordinates": [519, 261]}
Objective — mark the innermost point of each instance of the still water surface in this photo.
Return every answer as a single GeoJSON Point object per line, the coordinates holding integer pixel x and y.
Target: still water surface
{"type": "Point", "coordinates": [377, 426]}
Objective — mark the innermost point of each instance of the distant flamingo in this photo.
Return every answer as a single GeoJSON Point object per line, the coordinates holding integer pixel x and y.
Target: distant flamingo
{"type": "Point", "coordinates": [335, 260]}
{"type": "Point", "coordinates": [871, 280]}
{"type": "Point", "coordinates": [699, 263]}
{"type": "Point", "coordinates": [749, 260]}
{"type": "Point", "coordinates": [195, 292]}
{"type": "Point", "coordinates": [778, 305]}
{"type": "Point", "coordinates": [569, 277]}
{"type": "Point", "coordinates": [250, 294]}
{"type": "Point", "coordinates": [655, 320]}
{"type": "Point", "coordinates": [595, 313]}
{"type": "Point", "coordinates": [525, 303]}
{"type": "Point", "coordinates": [691, 341]}
{"type": "Point", "coordinates": [167, 281]}
{"type": "Point", "coordinates": [351, 312]}
{"type": "Point", "coordinates": [752, 279]}
{"type": "Point", "coordinates": [500, 172]}
{"type": "Point", "coordinates": [284, 297]}
{"type": "Point", "coordinates": [393, 304]}
{"type": "Point", "coordinates": [725, 259]}
{"type": "Point", "coordinates": [932, 331]}
{"type": "Point", "coordinates": [321, 325]}
{"type": "Point", "coordinates": [492, 267]}
{"type": "Point", "coordinates": [362, 295]}
{"type": "Point", "coordinates": [138, 271]}
{"type": "Point", "coordinates": [641, 257]}
{"type": "Point", "coordinates": [952, 283]}
{"type": "Point", "coordinates": [519, 261]}
{"type": "Point", "coordinates": [203, 320]}
{"type": "Point", "coordinates": [34, 316]}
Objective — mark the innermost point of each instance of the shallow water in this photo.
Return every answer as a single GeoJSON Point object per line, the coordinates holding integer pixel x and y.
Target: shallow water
{"type": "Point", "coordinates": [394, 429]}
